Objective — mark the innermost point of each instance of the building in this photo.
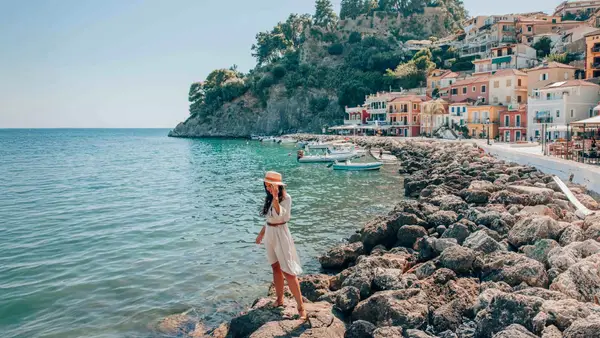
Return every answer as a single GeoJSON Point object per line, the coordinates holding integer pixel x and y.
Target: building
{"type": "Point", "coordinates": [513, 124]}
{"type": "Point", "coordinates": [377, 106]}
{"type": "Point", "coordinates": [440, 79]}
{"type": "Point", "coordinates": [546, 73]}
{"type": "Point", "coordinates": [573, 40]}
{"type": "Point", "coordinates": [503, 32]}
{"type": "Point", "coordinates": [528, 29]}
{"type": "Point", "coordinates": [356, 115]}
{"type": "Point", "coordinates": [517, 56]}
{"type": "Point", "coordinates": [508, 87]}
{"type": "Point", "coordinates": [557, 104]}
{"type": "Point", "coordinates": [592, 54]}
{"type": "Point", "coordinates": [404, 115]}
{"type": "Point", "coordinates": [575, 8]}
{"type": "Point", "coordinates": [434, 116]}
{"type": "Point", "coordinates": [474, 88]}
{"type": "Point", "coordinates": [458, 114]}
{"type": "Point", "coordinates": [482, 120]}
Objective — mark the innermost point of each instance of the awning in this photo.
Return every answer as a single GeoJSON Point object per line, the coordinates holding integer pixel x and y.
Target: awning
{"type": "Point", "coordinates": [592, 121]}
{"type": "Point", "coordinates": [558, 128]}
{"type": "Point", "coordinates": [501, 59]}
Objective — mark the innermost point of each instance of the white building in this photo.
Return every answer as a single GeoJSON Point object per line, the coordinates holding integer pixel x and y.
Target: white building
{"type": "Point", "coordinates": [458, 114]}
{"type": "Point", "coordinates": [558, 104]}
{"type": "Point", "coordinates": [508, 86]}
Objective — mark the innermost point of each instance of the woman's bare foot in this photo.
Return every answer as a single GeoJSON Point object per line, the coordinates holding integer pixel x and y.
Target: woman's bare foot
{"type": "Point", "coordinates": [278, 303]}
{"type": "Point", "coordinates": [302, 313]}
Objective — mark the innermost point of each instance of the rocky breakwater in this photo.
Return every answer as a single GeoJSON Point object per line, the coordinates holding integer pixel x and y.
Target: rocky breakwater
{"type": "Point", "coordinates": [483, 248]}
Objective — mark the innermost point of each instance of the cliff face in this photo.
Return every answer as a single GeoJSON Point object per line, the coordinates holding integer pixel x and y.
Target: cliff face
{"type": "Point", "coordinates": [244, 116]}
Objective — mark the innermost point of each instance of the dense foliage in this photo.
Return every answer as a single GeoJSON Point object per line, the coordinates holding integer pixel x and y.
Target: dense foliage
{"type": "Point", "coordinates": [543, 46]}
{"type": "Point", "coordinates": [313, 53]}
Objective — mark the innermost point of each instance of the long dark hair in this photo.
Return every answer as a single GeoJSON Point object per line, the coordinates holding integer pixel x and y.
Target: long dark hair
{"type": "Point", "coordinates": [269, 200]}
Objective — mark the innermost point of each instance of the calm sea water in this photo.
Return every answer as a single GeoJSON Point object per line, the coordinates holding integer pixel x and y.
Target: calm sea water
{"type": "Point", "coordinates": [104, 232]}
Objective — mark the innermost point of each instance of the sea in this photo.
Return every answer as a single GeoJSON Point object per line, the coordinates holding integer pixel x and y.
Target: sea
{"type": "Point", "coordinates": [103, 232]}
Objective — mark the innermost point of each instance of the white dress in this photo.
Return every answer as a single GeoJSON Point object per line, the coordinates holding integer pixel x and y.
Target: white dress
{"type": "Point", "coordinates": [278, 239]}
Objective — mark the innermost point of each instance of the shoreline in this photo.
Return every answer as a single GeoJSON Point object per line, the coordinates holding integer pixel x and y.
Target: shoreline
{"type": "Point", "coordinates": [481, 248]}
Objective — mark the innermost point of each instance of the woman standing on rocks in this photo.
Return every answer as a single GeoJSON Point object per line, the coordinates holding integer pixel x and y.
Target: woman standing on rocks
{"type": "Point", "coordinates": [281, 251]}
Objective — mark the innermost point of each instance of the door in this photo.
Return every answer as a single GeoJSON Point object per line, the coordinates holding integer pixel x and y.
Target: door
{"type": "Point", "coordinates": [507, 136]}
{"type": "Point", "coordinates": [517, 136]}
{"type": "Point", "coordinates": [405, 132]}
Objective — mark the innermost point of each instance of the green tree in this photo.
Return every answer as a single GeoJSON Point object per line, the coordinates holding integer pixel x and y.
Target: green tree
{"type": "Point", "coordinates": [543, 46]}
{"type": "Point", "coordinates": [354, 37]}
{"type": "Point", "coordinates": [336, 49]}
{"type": "Point", "coordinates": [351, 8]}
{"type": "Point", "coordinates": [324, 14]}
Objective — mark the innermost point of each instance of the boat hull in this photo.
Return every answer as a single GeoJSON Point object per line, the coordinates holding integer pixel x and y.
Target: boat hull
{"type": "Point", "coordinates": [326, 159]}
{"type": "Point", "coordinates": [357, 166]}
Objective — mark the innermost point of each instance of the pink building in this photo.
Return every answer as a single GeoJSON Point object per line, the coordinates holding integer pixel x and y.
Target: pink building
{"type": "Point", "coordinates": [472, 88]}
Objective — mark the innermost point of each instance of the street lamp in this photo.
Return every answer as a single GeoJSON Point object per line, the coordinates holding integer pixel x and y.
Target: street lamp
{"type": "Point", "coordinates": [487, 121]}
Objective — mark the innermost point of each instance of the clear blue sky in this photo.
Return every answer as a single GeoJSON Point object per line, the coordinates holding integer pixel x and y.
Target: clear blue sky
{"type": "Point", "coordinates": [129, 63]}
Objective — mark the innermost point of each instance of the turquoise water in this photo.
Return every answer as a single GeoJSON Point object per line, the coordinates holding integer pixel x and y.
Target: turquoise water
{"type": "Point", "coordinates": [104, 232]}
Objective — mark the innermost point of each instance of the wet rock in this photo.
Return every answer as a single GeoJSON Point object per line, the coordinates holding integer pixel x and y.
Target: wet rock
{"type": "Point", "coordinates": [505, 310]}
{"type": "Point", "coordinates": [360, 329]}
{"type": "Point", "coordinates": [480, 241]}
{"type": "Point", "coordinates": [581, 280]}
{"type": "Point", "coordinates": [442, 217]}
{"type": "Point", "coordinates": [387, 332]}
{"type": "Point", "coordinates": [405, 308]}
{"type": "Point", "coordinates": [572, 233]}
{"type": "Point", "coordinates": [409, 234]}
{"type": "Point", "coordinates": [584, 328]}
{"type": "Point", "coordinates": [539, 251]}
{"type": "Point", "coordinates": [531, 229]}
{"type": "Point", "coordinates": [314, 286]}
{"type": "Point", "coordinates": [514, 269]}
{"type": "Point", "coordinates": [459, 259]}
{"type": "Point", "coordinates": [515, 331]}
{"type": "Point", "coordinates": [458, 231]}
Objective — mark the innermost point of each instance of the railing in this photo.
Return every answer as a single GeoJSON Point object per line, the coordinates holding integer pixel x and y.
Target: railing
{"type": "Point", "coordinates": [475, 121]}
{"type": "Point", "coordinates": [513, 125]}
{"type": "Point", "coordinates": [596, 49]}
{"type": "Point", "coordinates": [544, 120]}
{"type": "Point", "coordinates": [352, 122]}
{"type": "Point", "coordinates": [400, 123]}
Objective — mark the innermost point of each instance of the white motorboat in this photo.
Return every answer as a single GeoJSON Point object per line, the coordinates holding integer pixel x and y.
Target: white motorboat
{"type": "Point", "coordinates": [327, 158]}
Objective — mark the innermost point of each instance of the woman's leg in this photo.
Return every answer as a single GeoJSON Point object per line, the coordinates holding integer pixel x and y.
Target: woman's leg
{"type": "Point", "coordinates": [278, 281]}
{"type": "Point", "coordinates": [295, 289]}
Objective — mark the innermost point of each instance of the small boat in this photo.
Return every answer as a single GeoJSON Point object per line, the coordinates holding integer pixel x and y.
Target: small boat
{"type": "Point", "coordinates": [357, 166]}
{"type": "Point", "coordinates": [286, 140]}
{"type": "Point", "coordinates": [326, 158]}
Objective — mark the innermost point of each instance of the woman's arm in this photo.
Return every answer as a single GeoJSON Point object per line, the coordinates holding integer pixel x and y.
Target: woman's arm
{"type": "Point", "coordinates": [275, 203]}
{"type": "Point", "coordinates": [260, 236]}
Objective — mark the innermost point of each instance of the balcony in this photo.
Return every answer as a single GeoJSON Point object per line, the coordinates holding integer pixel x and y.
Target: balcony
{"type": "Point", "coordinates": [352, 122]}
{"type": "Point", "coordinates": [377, 121]}
{"type": "Point", "coordinates": [596, 49]}
{"type": "Point", "coordinates": [399, 123]}
{"type": "Point", "coordinates": [513, 125]}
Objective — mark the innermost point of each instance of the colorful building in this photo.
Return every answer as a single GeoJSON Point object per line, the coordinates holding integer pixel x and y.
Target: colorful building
{"type": "Point", "coordinates": [404, 115]}
{"type": "Point", "coordinates": [434, 116]}
{"type": "Point", "coordinates": [458, 114]}
{"type": "Point", "coordinates": [356, 115]}
{"type": "Point", "coordinates": [483, 119]}
{"type": "Point", "coordinates": [529, 28]}
{"type": "Point", "coordinates": [546, 73]}
{"type": "Point", "coordinates": [473, 88]}
{"type": "Point", "coordinates": [508, 87]}
{"type": "Point", "coordinates": [575, 7]}
{"type": "Point", "coordinates": [441, 80]}
{"type": "Point", "coordinates": [592, 55]}
{"type": "Point", "coordinates": [504, 57]}
{"type": "Point", "coordinates": [513, 124]}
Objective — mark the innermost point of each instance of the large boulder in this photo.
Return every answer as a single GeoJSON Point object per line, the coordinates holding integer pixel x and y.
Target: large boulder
{"type": "Point", "coordinates": [562, 313]}
{"type": "Point", "coordinates": [584, 328]}
{"type": "Point", "coordinates": [581, 281]}
{"type": "Point", "coordinates": [459, 231]}
{"type": "Point", "coordinates": [405, 308]}
{"type": "Point", "coordinates": [442, 217]}
{"type": "Point", "coordinates": [339, 257]}
{"type": "Point", "coordinates": [507, 309]}
{"type": "Point", "coordinates": [564, 257]}
{"type": "Point", "coordinates": [539, 251]}
{"type": "Point", "coordinates": [393, 279]}
{"type": "Point", "coordinates": [347, 298]}
{"type": "Point", "coordinates": [515, 331]}
{"type": "Point", "coordinates": [477, 196]}
{"type": "Point", "coordinates": [531, 229]}
{"type": "Point", "coordinates": [383, 230]}
{"type": "Point", "coordinates": [360, 329]}
{"type": "Point", "coordinates": [480, 241]}
{"type": "Point", "coordinates": [514, 269]}
{"type": "Point", "coordinates": [314, 286]}
{"type": "Point", "coordinates": [450, 203]}
{"type": "Point", "coordinates": [409, 234]}
{"type": "Point", "coordinates": [572, 233]}
{"type": "Point", "coordinates": [459, 259]}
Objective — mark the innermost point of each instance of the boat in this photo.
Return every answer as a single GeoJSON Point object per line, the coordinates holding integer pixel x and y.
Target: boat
{"type": "Point", "coordinates": [325, 158]}
{"type": "Point", "coordinates": [357, 166]}
{"type": "Point", "coordinates": [286, 140]}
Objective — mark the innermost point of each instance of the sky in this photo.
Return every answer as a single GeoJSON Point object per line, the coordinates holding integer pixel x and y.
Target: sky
{"type": "Point", "coordinates": [129, 63]}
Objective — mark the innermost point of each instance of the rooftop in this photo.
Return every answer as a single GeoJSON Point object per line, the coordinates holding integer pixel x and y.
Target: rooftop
{"type": "Point", "coordinates": [508, 72]}
{"type": "Point", "coordinates": [552, 64]}
{"type": "Point", "coordinates": [570, 83]}
{"type": "Point", "coordinates": [471, 80]}
{"type": "Point", "coordinates": [411, 98]}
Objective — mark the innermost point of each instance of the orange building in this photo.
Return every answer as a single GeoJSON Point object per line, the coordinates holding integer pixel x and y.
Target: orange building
{"type": "Point", "coordinates": [592, 55]}
{"type": "Point", "coordinates": [481, 119]}
{"type": "Point", "coordinates": [404, 114]}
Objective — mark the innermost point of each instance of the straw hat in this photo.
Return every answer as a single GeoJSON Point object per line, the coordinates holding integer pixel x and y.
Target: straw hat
{"type": "Point", "coordinates": [273, 177]}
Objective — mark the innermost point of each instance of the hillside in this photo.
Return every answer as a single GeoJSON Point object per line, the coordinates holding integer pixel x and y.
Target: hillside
{"type": "Point", "coordinates": [311, 66]}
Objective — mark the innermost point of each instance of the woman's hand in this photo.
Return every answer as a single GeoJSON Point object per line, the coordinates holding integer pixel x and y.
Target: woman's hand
{"type": "Point", "coordinates": [259, 238]}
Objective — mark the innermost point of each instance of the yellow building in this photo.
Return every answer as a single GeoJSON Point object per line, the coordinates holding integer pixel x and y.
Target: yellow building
{"type": "Point", "coordinates": [480, 119]}
{"type": "Point", "coordinates": [592, 55]}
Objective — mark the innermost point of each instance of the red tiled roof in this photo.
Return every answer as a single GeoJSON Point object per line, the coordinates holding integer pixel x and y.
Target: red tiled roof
{"type": "Point", "coordinates": [507, 72]}
{"type": "Point", "coordinates": [552, 64]}
{"type": "Point", "coordinates": [450, 74]}
{"type": "Point", "coordinates": [571, 83]}
{"type": "Point", "coordinates": [471, 80]}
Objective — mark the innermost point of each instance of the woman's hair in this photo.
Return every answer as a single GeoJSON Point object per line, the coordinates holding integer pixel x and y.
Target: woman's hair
{"type": "Point", "coordinates": [269, 200]}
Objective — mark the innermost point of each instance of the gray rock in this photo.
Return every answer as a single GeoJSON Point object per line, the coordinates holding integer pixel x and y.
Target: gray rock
{"type": "Point", "coordinates": [412, 333]}
{"type": "Point", "coordinates": [442, 217]}
{"type": "Point", "coordinates": [514, 269]}
{"type": "Point", "coordinates": [458, 231]}
{"type": "Point", "coordinates": [551, 332]}
{"type": "Point", "coordinates": [339, 257]}
{"type": "Point", "coordinates": [562, 313]}
{"type": "Point", "coordinates": [409, 234]}
{"type": "Point", "coordinates": [581, 281]}
{"type": "Point", "coordinates": [459, 259]}
{"type": "Point", "coordinates": [483, 185]}
{"type": "Point", "coordinates": [440, 229]}
{"type": "Point", "coordinates": [425, 270]}
{"type": "Point", "coordinates": [388, 332]}
{"type": "Point", "coordinates": [360, 329]}
{"type": "Point", "coordinates": [405, 308]}
{"type": "Point", "coordinates": [466, 329]}
{"type": "Point", "coordinates": [314, 286]}
{"type": "Point", "coordinates": [545, 294]}
{"type": "Point", "coordinates": [480, 241]}
{"type": "Point", "coordinates": [572, 233]}
{"type": "Point", "coordinates": [449, 316]}
{"type": "Point", "coordinates": [593, 232]}
{"type": "Point", "coordinates": [563, 258]}
{"type": "Point", "coordinates": [539, 251]}
{"type": "Point", "coordinates": [505, 310]}
{"type": "Point", "coordinates": [531, 229]}
{"type": "Point", "coordinates": [347, 298]}
{"type": "Point", "coordinates": [515, 331]}
{"type": "Point", "coordinates": [584, 328]}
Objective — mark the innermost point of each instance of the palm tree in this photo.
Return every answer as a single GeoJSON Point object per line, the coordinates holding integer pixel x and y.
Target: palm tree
{"type": "Point", "coordinates": [431, 109]}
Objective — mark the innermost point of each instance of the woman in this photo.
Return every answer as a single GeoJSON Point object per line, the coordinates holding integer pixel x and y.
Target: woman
{"type": "Point", "coordinates": [281, 251]}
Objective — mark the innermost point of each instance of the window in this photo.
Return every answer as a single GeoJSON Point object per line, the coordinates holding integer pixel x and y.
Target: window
{"type": "Point", "coordinates": [454, 91]}
{"type": "Point", "coordinates": [473, 89]}
{"type": "Point", "coordinates": [452, 109]}
{"type": "Point", "coordinates": [591, 112]}
{"type": "Point", "coordinates": [483, 100]}
{"type": "Point", "coordinates": [464, 90]}
{"type": "Point", "coordinates": [519, 82]}
{"type": "Point", "coordinates": [548, 96]}
{"type": "Point", "coordinates": [529, 28]}
{"type": "Point", "coordinates": [553, 20]}
{"type": "Point", "coordinates": [506, 120]}
{"type": "Point", "coordinates": [537, 133]}
{"type": "Point", "coordinates": [496, 84]}
{"type": "Point", "coordinates": [544, 77]}
{"type": "Point", "coordinates": [415, 106]}
{"type": "Point", "coordinates": [495, 99]}
{"type": "Point", "coordinates": [414, 119]}
{"type": "Point", "coordinates": [519, 99]}
{"type": "Point", "coordinates": [464, 109]}
{"type": "Point", "coordinates": [572, 112]}
{"type": "Point", "coordinates": [483, 88]}
{"type": "Point", "coordinates": [508, 82]}
{"type": "Point", "coordinates": [557, 113]}
{"type": "Point", "coordinates": [518, 120]}
{"type": "Point", "coordinates": [566, 76]}
{"type": "Point", "coordinates": [508, 100]}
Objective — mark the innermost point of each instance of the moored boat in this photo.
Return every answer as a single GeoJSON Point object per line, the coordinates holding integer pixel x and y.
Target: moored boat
{"type": "Point", "coordinates": [357, 166]}
{"type": "Point", "coordinates": [325, 158]}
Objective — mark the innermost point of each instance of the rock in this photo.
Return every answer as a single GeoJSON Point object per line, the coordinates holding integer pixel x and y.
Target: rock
{"type": "Point", "coordinates": [584, 328]}
{"type": "Point", "coordinates": [539, 251]}
{"type": "Point", "coordinates": [412, 333]}
{"type": "Point", "coordinates": [449, 316]}
{"type": "Point", "coordinates": [459, 259]}
{"type": "Point", "coordinates": [354, 238]}
{"type": "Point", "coordinates": [450, 203]}
{"type": "Point", "coordinates": [513, 210]}
{"type": "Point", "coordinates": [514, 269]}
{"type": "Point", "coordinates": [466, 329]}
{"type": "Point", "coordinates": [360, 329]}
{"type": "Point", "coordinates": [484, 186]}
{"type": "Point", "coordinates": [515, 331]}
{"type": "Point", "coordinates": [480, 241]}
{"type": "Point", "coordinates": [261, 313]}
{"type": "Point", "coordinates": [572, 233]}
{"type": "Point", "coordinates": [458, 231]}
{"type": "Point", "coordinates": [314, 286]}
{"type": "Point", "coordinates": [542, 293]}
{"type": "Point", "coordinates": [393, 279]}
{"type": "Point", "coordinates": [592, 232]}
{"type": "Point", "coordinates": [447, 334]}
{"type": "Point", "coordinates": [387, 332]}
{"type": "Point", "coordinates": [477, 196]}
{"type": "Point", "coordinates": [551, 332]}
{"type": "Point", "coordinates": [405, 308]}
{"type": "Point", "coordinates": [440, 229]}
{"type": "Point", "coordinates": [562, 313]}
{"type": "Point", "coordinates": [507, 309]}
{"type": "Point", "coordinates": [505, 197]}
{"type": "Point", "coordinates": [591, 220]}
{"type": "Point", "coordinates": [347, 298]}
{"type": "Point", "coordinates": [378, 231]}
{"type": "Point", "coordinates": [581, 281]}
{"type": "Point", "coordinates": [439, 245]}
{"type": "Point", "coordinates": [442, 217]}
{"type": "Point", "coordinates": [531, 229]}
{"type": "Point", "coordinates": [588, 201]}
{"type": "Point", "coordinates": [563, 258]}
{"type": "Point", "coordinates": [178, 325]}
{"type": "Point", "coordinates": [409, 234]}
{"type": "Point", "coordinates": [425, 270]}
{"type": "Point", "coordinates": [539, 210]}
